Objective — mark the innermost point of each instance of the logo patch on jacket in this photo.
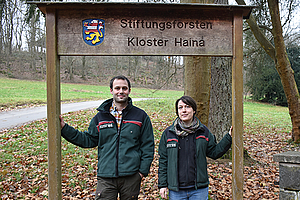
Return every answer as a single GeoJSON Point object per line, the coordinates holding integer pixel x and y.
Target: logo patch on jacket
{"type": "Point", "coordinates": [171, 145]}
{"type": "Point", "coordinates": [93, 31]}
{"type": "Point", "coordinates": [105, 124]}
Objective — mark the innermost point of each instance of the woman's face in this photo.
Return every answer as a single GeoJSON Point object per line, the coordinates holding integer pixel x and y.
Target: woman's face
{"type": "Point", "coordinates": [185, 112]}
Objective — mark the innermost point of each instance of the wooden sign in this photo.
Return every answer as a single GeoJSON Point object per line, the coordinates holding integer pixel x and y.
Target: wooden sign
{"type": "Point", "coordinates": [145, 29]}
{"type": "Point", "coordinates": [142, 29]}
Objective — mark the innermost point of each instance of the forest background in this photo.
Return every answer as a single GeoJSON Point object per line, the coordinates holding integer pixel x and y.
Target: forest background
{"type": "Point", "coordinates": [22, 55]}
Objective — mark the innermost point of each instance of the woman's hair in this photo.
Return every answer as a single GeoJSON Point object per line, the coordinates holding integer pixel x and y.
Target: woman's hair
{"type": "Point", "coordinates": [187, 100]}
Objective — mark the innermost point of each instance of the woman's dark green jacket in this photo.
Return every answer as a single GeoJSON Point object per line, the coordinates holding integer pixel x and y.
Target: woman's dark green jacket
{"type": "Point", "coordinates": [206, 146]}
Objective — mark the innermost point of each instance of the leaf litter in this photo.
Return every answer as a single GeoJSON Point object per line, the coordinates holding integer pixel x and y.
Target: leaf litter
{"type": "Point", "coordinates": [24, 162]}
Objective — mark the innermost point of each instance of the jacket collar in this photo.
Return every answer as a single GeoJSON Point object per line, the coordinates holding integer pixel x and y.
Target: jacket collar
{"type": "Point", "coordinates": [172, 127]}
{"type": "Point", "coordinates": [107, 104]}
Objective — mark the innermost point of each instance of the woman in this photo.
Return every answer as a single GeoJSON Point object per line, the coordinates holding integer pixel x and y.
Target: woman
{"type": "Point", "coordinates": [183, 149]}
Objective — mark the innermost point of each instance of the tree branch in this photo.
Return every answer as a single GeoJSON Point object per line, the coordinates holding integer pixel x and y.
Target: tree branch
{"type": "Point", "coordinates": [258, 34]}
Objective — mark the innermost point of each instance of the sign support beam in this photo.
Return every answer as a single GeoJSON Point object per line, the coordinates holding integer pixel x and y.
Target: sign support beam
{"type": "Point", "coordinates": [53, 108]}
{"type": "Point", "coordinates": [237, 108]}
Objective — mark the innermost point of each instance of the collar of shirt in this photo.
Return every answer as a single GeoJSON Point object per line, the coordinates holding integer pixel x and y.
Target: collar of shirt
{"type": "Point", "coordinates": [113, 109]}
{"type": "Point", "coordinates": [117, 114]}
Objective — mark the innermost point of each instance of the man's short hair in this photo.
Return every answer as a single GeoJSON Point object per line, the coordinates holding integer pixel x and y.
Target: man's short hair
{"type": "Point", "coordinates": [119, 77]}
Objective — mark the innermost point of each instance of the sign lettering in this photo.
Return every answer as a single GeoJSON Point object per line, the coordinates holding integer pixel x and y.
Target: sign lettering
{"type": "Point", "coordinates": [136, 24]}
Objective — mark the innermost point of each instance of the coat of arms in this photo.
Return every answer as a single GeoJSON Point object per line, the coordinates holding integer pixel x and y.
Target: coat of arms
{"type": "Point", "coordinates": [93, 31]}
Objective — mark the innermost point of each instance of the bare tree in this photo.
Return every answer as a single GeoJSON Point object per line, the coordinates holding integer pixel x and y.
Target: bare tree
{"type": "Point", "coordinates": [279, 55]}
{"type": "Point", "coordinates": [2, 2]}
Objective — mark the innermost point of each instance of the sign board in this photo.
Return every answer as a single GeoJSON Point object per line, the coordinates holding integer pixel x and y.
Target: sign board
{"type": "Point", "coordinates": [145, 29]}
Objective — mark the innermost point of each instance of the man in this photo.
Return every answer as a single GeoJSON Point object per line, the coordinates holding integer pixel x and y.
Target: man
{"type": "Point", "coordinates": [124, 136]}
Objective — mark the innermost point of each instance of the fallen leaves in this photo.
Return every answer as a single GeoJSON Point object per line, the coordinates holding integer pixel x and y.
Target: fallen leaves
{"type": "Point", "coordinates": [24, 163]}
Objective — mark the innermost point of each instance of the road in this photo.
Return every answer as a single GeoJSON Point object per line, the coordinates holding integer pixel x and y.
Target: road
{"type": "Point", "coordinates": [15, 118]}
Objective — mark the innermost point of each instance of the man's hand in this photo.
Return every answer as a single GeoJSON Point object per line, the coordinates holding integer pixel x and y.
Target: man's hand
{"type": "Point", "coordinates": [230, 131]}
{"type": "Point", "coordinates": [62, 122]}
{"type": "Point", "coordinates": [163, 192]}
{"type": "Point", "coordinates": [141, 175]}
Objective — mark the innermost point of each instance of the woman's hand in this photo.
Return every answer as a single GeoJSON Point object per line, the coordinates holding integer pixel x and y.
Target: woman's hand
{"type": "Point", "coordinates": [163, 192]}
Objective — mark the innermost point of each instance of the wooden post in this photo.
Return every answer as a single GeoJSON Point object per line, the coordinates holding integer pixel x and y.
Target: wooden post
{"type": "Point", "coordinates": [53, 108]}
{"type": "Point", "coordinates": [237, 108]}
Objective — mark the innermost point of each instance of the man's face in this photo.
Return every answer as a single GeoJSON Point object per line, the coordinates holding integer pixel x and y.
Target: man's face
{"type": "Point", "coordinates": [120, 91]}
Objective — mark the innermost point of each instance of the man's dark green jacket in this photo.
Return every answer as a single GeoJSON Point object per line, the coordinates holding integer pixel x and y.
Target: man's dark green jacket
{"type": "Point", "coordinates": [206, 146]}
{"type": "Point", "coordinates": [121, 152]}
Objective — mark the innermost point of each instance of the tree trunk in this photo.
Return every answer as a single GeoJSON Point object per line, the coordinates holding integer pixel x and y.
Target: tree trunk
{"type": "Point", "coordinates": [285, 71]}
{"type": "Point", "coordinates": [136, 67]}
{"type": "Point", "coordinates": [100, 68]}
{"type": "Point", "coordinates": [9, 19]}
{"type": "Point", "coordinates": [197, 78]}
{"type": "Point", "coordinates": [1, 29]}
{"type": "Point", "coordinates": [220, 111]}
{"type": "Point", "coordinates": [197, 84]}
{"type": "Point", "coordinates": [220, 106]}
{"type": "Point", "coordinates": [129, 67]}
{"type": "Point", "coordinates": [83, 69]}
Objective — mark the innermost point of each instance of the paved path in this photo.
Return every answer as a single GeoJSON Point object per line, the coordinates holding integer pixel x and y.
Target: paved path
{"type": "Point", "coordinates": [15, 118]}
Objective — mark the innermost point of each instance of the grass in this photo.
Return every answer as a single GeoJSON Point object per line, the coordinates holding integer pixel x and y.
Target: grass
{"type": "Point", "coordinates": [14, 92]}
{"type": "Point", "coordinates": [273, 116]}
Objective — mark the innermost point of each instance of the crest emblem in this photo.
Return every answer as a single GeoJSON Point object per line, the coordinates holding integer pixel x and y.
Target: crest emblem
{"type": "Point", "coordinates": [93, 31]}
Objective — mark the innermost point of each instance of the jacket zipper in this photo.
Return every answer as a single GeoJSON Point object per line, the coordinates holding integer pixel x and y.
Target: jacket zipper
{"type": "Point", "coordinates": [195, 161]}
{"type": "Point", "coordinates": [186, 141]}
{"type": "Point", "coordinates": [117, 153]}
{"type": "Point", "coordinates": [178, 148]}
{"type": "Point", "coordinates": [118, 142]}
{"type": "Point", "coordinates": [117, 145]}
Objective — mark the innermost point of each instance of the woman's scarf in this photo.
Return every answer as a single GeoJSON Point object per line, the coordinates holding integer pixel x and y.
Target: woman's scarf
{"type": "Point", "coordinates": [182, 130]}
